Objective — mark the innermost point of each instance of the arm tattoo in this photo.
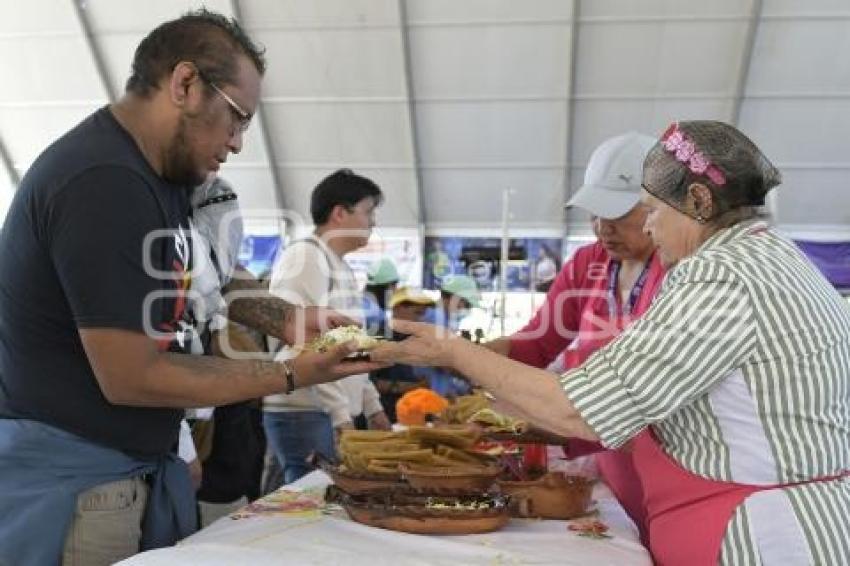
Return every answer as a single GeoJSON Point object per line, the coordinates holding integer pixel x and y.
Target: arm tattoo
{"type": "Point", "coordinates": [261, 310]}
{"type": "Point", "coordinates": [222, 368]}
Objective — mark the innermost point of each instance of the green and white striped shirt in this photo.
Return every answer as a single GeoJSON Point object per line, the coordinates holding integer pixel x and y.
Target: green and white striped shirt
{"type": "Point", "coordinates": [742, 364]}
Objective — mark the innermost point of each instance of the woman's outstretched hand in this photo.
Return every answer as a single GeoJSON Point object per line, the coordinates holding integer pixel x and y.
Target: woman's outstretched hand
{"type": "Point", "coordinates": [427, 345]}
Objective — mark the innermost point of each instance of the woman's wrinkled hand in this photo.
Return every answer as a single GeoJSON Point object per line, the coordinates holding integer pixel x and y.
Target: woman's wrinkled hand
{"type": "Point", "coordinates": [427, 345]}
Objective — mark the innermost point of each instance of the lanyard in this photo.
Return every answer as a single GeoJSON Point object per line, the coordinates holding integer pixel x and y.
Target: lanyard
{"type": "Point", "coordinates": [634, 295]}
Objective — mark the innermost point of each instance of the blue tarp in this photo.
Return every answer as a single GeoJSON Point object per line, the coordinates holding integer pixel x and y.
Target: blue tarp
{"type": "Point", "coordinates": [832, 258]}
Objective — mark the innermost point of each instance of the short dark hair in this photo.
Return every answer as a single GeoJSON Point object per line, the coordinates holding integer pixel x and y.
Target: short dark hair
{"type": "Point", "coordinates": [205, 38]}
{"type": "Point", "coordinates": [342, 187]}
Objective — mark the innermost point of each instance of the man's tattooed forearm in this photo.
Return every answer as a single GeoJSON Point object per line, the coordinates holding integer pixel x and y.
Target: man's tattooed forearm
{"type": "Point", "coordinates": [215, 367]}
{"type": "Point", "coordinates": [267, 314]}
{"type": "Point", "coordinates": [252, 305]}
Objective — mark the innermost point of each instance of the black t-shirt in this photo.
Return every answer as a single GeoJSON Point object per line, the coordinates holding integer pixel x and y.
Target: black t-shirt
{"type": "Point", "coordinates": [94, 238]}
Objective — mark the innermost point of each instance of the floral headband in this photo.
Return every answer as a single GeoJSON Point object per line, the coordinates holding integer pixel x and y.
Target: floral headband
{"type": "Point", "coordinates": [678, 144]}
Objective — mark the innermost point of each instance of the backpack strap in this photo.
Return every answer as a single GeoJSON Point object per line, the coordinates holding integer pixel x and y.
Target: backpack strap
{"type": "Point", "coordinates": [318, 246]}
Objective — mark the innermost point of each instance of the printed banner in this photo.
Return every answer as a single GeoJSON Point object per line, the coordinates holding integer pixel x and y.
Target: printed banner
{"type": "Point", "coordinates": [533, 263]}
{"type": "Point", "coordinates": [257, 254]}
{"type": "Point", "coordinates": [404, 251]}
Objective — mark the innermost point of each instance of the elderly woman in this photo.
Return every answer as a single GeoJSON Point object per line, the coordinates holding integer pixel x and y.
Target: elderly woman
{"type": "Point", "coordinates": [740, 370]}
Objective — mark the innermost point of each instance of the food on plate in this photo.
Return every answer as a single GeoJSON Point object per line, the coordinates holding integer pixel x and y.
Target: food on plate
{"type": "Point", "coordinates": [457, 504]}
{"type": "Point", "coordinates": [380, 453]}
{"type": "Point", "coordinates": [370, 435]}
{"type": "Point", "coordinates": [458, 436]}
{"type": "Point", "coordinates": [417, 455]}
{"type": "Point", "coordinates": [497, 422]}
{"type": "Point", "coordinates": [427, 514]}
{"type": "Point", "coordinates": [491, 449]}
{"type": "Point", "coordinates": [463, 407]}
{"type": "Point", "coordinates": [341, 335]}
{"type": "Point", "coordinates": [452, 455]}
{"type": "Point", "coordinates": [375, 451]}
{"type": "Point", "coordinates": [476, 408]}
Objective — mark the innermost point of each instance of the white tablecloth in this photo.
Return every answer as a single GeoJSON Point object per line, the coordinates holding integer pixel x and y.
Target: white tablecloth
{"type": "Point", "coordinates": [335, 539]}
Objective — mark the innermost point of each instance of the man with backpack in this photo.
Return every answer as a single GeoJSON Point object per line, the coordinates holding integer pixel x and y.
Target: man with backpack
{"type": "Point", "coordinates": [312, 271]}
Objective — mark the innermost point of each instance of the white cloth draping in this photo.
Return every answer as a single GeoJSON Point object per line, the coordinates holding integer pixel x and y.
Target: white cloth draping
{"type": "Point", "coordinates": [335, 539]}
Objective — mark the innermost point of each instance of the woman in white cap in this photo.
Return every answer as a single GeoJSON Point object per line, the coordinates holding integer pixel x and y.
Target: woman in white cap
{"type": "Point", "coordinates": [739, 372]}
{"type": "Point", "coordinates": [599, 292]}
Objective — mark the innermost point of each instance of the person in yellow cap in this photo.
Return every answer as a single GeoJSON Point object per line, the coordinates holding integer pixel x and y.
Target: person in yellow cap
{"type": "Point", "coordinates": [458, 294]}
{"type": "Point", "coordinates": [406, 303]}
{"type": "Point", "coordinates": [381, 281]}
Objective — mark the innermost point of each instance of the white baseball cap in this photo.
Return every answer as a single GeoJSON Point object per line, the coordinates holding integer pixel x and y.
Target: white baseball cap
{"type": "Point", "coordinates": [613, 176]}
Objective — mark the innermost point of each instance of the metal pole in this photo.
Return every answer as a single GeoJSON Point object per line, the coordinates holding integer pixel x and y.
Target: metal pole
{"type": "Point", "coordinates": [746, 61]}
{"type": "Point", "coordinates": [503, 259]}
{"type": "Point", "coordinates": [285, 228]}
{"type": "Point", "coordinates": [94, 49]}
{"type": "Point", "coordinates": [570, 125]}
{"type": "Point", "coordinates": [411, 110]}
{"type": "Point", "coordinates": [6, 158]}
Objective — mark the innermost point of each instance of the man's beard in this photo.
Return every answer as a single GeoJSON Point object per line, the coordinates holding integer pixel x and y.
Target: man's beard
{"type": "Point", "coordinates": [178, 166]}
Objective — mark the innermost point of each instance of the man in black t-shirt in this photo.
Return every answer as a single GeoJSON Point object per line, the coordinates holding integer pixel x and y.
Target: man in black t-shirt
{"type": "Point", "coordinates": [96, 261]}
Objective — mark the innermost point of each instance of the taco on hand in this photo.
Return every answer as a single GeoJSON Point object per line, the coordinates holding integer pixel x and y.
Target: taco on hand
{"type": "Point", "coordinates": [341, 335]}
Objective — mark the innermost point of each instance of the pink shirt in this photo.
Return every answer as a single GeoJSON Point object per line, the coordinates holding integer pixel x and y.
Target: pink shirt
{"type": "Point", "coordinates": [575, 320]}
{"type": "Point", "coordinates": [575, 313]}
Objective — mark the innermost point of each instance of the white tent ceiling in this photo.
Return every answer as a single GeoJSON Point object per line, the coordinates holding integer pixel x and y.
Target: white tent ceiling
{"type": "Point", "coordinates": [446, 103]}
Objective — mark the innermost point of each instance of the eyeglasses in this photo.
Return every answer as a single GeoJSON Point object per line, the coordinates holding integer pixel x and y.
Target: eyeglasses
{"type": "Point", "coordinates": [243, 118]}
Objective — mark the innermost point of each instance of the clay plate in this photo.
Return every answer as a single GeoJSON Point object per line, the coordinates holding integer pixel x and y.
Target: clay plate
{"type": "Point", "coordinates": [459, 479]}
{"type": "Point", "coordinates": [531, 436]}
{"type": "Point", "coordinates": [433, 525]}
{"type": "Point", "coordinates": [357, 484]}
{"type": "Point", "coordinates": [552, 496]}
{"type": "Point", "coordinates": [410, 514]}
